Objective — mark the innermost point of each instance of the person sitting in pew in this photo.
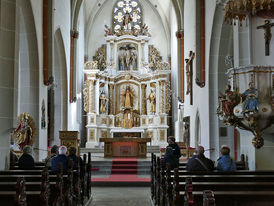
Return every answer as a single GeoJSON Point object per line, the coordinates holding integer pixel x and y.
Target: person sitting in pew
{"type": "Point", "coordinates": [75, 159]}
{"type": "Point", "coordinates": [53, 153]}
{"type": "Point", "coordinates": [60, 158]}
{"type": "Point", "coordinates": [200, 162]}
{"type": "Point", "coordinates": [26, 161]}
{"type": "Point", "coordinates": [225, 163]}
{"type": "Point", "coordinates": [170, 159]}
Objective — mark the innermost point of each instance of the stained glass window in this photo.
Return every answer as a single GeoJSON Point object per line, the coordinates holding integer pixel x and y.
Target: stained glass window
{"type": "Point", "coordinates": [127, 14]}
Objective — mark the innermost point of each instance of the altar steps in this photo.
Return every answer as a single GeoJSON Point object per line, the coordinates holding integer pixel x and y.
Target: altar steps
{"type": "Point", "coordinates": [121, 172]}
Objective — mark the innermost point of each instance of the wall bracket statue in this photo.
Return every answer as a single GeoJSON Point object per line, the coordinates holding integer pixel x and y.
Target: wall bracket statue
{"type": "Point", "coordinates": [25, 131]}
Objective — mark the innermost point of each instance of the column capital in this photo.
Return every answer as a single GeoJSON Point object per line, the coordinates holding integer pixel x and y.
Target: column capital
{"type": "Point", "coordinates": [74, 34]}
{"type": "Point", "coordinates": [180, 34]}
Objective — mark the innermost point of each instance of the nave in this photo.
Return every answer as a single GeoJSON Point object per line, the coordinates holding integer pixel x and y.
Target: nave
{"type": "Point", "coordinates": [120, 196]}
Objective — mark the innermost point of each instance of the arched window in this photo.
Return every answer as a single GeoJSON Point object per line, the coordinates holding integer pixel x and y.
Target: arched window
{"type": "Point", "coordinates": [127, 14]}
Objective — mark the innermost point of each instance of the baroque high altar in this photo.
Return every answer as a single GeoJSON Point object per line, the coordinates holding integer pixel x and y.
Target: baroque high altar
{"type": "Point", "coordinates": [127, 88]}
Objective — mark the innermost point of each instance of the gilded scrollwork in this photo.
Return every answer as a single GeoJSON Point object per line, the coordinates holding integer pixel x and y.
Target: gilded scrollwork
{"type": "Point", "coordinates": [86, 96]}
{"type": "Point", "coordinates": [168, 97]}
{"type": "Point", "coordinates": [144, 99]}
{"type": "Point", "coordinates": [91, 65]}
{"type": "Point", "coordinates": [100, 57]}
{"type": "Point", "coordinates": [111, 99]}
{"type": "Point", "coordinates": [162, 85]}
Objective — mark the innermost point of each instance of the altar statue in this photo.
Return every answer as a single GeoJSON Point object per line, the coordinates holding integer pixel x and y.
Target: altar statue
{"type": "Point", "coordinates": [103, 103]}
{"type": "Point", "coordinates": [251, 99]}
{"type": "Point", "coordinates": [127, 19]}
{"type": "Point", "coordinates": [133, 58]}
{"type": "Point", "coordinates": [128, 98]}
{"type": "Point", "coordinates": [24, 131]}
{"type": "Point", "coordinates": [152, 100]}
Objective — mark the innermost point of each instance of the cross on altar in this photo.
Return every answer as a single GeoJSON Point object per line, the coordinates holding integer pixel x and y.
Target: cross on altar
{"type": "Point", "coordinates": [267, 34]}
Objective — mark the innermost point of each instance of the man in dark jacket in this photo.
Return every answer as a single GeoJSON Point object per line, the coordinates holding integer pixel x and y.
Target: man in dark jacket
{"type": "Point", "coordinates": [60, 158]}
{"type": "Point", "coordinates": [200, 162]}
{"type": "Point", "coordinates": [170, 159]}
{"type": "Point", "coordinates": [26, 161]}
{"type": "Point", "coordinates": [174, 146]}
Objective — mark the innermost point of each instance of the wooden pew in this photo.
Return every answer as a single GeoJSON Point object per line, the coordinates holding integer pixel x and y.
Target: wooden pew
{"type": "Point", "coordinates": [241, 187]}
{"type": "Point", "coordinates": [31, 193]}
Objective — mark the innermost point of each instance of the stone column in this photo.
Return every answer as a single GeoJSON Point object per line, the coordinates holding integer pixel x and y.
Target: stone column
{"type": "Point", "coordinates": [111, 99]}
{"type": "Point", "coordinates": [144, 99]}
{"type": "Point", "coordinates": [91, 93]}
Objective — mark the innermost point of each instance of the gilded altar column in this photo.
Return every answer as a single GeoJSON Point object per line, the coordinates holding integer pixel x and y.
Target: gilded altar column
{"type": "Point", "coordinates": [162, 87]}
{"type": "Point", "coordinates": [91, 91]}
{"type": "Point", "coordinates": [111, 99]}
{"type": "Point", "coordinates": [144, 99]}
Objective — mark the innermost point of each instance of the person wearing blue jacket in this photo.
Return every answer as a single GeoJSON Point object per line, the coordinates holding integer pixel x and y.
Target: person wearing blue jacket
{"type": "Point", "coordinates": [225, 163]}
{"type": "Point", "coordinates": [60, 158]}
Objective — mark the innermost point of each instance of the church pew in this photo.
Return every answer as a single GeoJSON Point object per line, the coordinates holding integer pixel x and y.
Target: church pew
{"type": "Point", "coordinates": [242, 186]}
{"type": "Point", "coordinates": [33, 194]}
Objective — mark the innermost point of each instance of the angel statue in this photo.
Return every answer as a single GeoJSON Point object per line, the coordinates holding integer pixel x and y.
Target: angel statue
{"type": "Point", "coordinates": [25, 131]}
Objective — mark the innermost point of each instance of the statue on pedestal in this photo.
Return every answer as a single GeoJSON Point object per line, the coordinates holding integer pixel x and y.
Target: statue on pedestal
{"type": "Point", "coordinates": [128, 98]}
{"type": "Point", "coordinates": [103, 103]}
{"type": "Point", "coordinates": [152, 100]}
{"type": "Point", "coordinates": [25, 130]}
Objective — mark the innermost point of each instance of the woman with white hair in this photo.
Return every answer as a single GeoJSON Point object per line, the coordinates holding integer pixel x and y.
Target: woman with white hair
{"type": "Point", "coordinates": [26, 161]}
{"type": "Point", "coordinates": [60, 158]}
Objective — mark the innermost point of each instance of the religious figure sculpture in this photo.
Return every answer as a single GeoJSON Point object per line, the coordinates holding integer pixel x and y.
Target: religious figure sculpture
{"type": "Point", "coordinates": [250, 99]}
{"type": "Point", "coordinates": [103, 103]}
{"type": "Point", "coordinates": [128, 98]}
{"type": "Point", "coordinates": [127, 19]}
{"type": "Point", "coordinates": [108, 31]}
{"type": "Point", "coordinates": [133, 58]}
{"type": "Point", "coordinates": [267, 34]}
{"type": "Point", "coordinates": [228, 101]}
{"type": "Point", "coordinates": [24, 131]}
{"type": "Point", "coordinates": [152, 100]}
{"type": "Point", "coordinates": [121, 62]}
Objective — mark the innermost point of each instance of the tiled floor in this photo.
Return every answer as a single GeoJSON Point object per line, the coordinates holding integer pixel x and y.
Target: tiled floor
{"type": "Point", "coordinates": [121, 196]}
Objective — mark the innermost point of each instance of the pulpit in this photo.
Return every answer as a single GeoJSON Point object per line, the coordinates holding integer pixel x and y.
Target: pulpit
{"type": "Point", "coordinates": [125, 147]}
{"type": "Point", "coordinates": [70, 139]}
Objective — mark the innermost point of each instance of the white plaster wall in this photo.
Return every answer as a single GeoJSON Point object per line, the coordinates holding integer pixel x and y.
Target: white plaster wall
{"type": "Point", "coordinates": [150, 17]}
{"type": "Point", "coordinates": [61, 19]}
{"type": "Point", "coordinates": [37, 8]}
{"type": "Point", "coordinates": [200, 95]}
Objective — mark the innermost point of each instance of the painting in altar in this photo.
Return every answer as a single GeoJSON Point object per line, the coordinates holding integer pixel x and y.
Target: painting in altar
{"type": "Point", "coordinates": [127, 57]}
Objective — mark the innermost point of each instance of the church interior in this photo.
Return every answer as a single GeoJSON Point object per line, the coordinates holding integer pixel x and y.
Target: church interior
{"type": "Point", "coordinates": [116, 78]}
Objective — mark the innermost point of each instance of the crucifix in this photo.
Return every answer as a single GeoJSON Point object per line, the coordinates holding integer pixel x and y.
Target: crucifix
{"type": "Point", "coordinates": [189, 73]}
{"type": "Point", "coordinates": [267, 34]}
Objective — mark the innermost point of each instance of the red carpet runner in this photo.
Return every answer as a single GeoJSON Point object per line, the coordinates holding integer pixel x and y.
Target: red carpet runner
{"type": "Point", "coordinates": [123, 170]}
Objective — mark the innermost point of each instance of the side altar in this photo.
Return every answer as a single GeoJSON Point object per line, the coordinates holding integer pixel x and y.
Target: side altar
{"type": "Point", "coordinates": [127, 90]}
